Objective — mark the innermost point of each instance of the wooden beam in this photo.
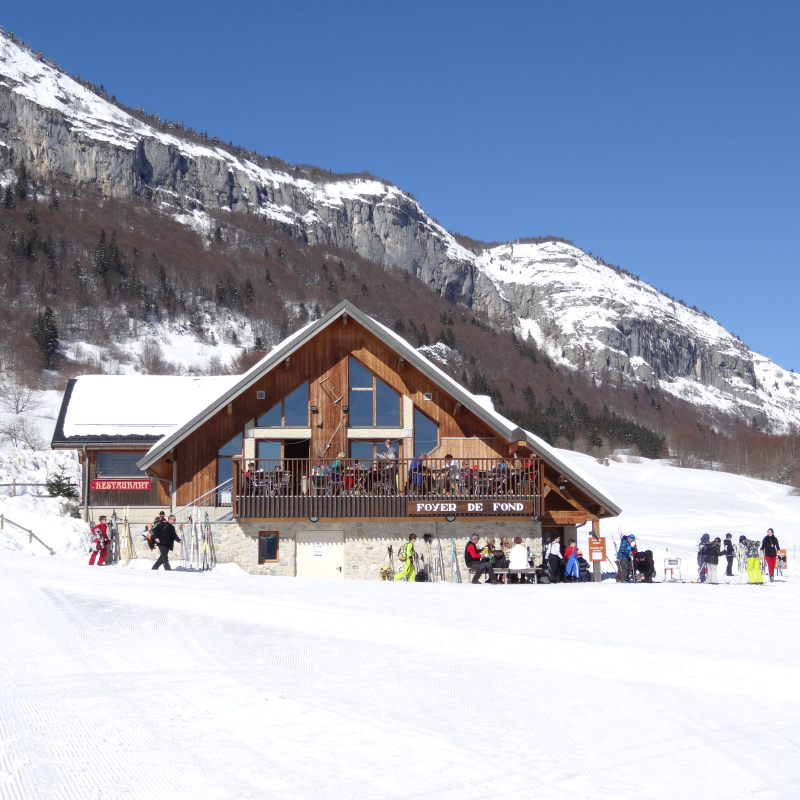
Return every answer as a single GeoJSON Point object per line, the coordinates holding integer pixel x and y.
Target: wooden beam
{"type": "Point", "coordinates": [565, 495]}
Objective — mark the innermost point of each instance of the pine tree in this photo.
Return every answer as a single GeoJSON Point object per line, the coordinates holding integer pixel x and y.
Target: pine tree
{"type": "Point", "coordinates": [218, 235]}
{"type": "Point", "coordinates": [268, 277]}
{"type": "Point", "coordinates": [55, 203]}
{"type": "Point", "coordinates": [100, 257]}
{"type": "Point", "coordinates": [21, 186]}
{"type": "Point", "coordinates": [45, 333]}
{"type": "Point", "coordinates": [249, 292]}
{"type": "Point", "coordinates": [8, 198]}
{"type": "Point", "coordinates": [317, 312]}
{"type": "Point", "coordinates": [258, 344]}
{"type": "Point", "coordinates": [113, 255]}
{"type": "Point", "coordinates": [59, 486]}
{"type": "Point", "coordinates": [31, 216]}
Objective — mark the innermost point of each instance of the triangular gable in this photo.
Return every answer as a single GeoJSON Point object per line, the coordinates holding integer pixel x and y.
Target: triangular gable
{"type": "Point", "coordinates": [494, 421]}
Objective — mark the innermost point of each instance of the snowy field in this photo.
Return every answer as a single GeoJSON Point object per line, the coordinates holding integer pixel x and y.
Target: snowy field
{"type": "Point", "coordinates": [120, 683]}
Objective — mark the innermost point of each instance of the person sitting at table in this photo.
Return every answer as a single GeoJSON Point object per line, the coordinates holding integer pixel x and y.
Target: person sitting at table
{"type": "Point", "coordinates": [518, 559]}
{"type": "Point", "coordinates": [250, 478]}
{"type": "Point", "coordinates": [452, 473]}
{"type": "Point", "coordinates": [320, 474]}
{"type": "Point", "coordinates": [420, 474]}
{"type": "Point", "coordinates": [472, 558]}
{"type": "Point", "coordinates": [337, 473]}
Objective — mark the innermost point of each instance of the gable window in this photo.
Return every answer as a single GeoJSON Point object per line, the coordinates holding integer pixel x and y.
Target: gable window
{"type": "Point", "coordinates": [292, 411]}
{"type": "Point", "coordinates": [372, 402]}
{"type": "Point", "coordinates": [426, 433]}
{"type": "Point", "coordinates": [119, 465]}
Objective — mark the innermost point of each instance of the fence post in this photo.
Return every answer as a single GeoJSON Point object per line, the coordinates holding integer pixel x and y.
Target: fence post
{"type": "Point", "coordinates": [13, 487]}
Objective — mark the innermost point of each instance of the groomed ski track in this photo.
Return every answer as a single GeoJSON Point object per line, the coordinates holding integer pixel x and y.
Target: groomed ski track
{"type": "Point", "coordinates": [126, 683]}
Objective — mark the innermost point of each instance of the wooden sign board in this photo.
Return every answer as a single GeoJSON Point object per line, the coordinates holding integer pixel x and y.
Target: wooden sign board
{"type": "Point", "coordinates": [597, 549]}
{"type": "Point", "coordinates": [566, 517]}
{"type": "Point", "coordinates": [121, 485]}
{"type": "Point", "coordinates": [433, 508]}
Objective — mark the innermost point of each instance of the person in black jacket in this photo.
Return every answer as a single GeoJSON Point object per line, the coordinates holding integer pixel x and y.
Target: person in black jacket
{"type": "Point", "coordinates": [770, 546]}
{"type": "Point", "coordinates": [729, 553]}
{"type": "Point", "coordinates": [164, 536]}
{"type": "Point", "coordinates": [712, 559]}
{"type": "Point", "coordinates": [472, 558]}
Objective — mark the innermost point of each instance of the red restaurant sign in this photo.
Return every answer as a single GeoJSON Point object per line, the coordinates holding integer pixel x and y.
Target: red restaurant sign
{"type": "Point", "coordinates": [121, 485]}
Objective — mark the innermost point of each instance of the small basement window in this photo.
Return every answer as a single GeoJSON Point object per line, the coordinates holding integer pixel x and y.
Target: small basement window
{"type": "Point", "coordinates": [267, 547]}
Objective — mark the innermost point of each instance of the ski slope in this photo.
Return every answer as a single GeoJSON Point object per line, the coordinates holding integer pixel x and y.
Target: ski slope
{"type": "Point", "coordinates": [125, 683]}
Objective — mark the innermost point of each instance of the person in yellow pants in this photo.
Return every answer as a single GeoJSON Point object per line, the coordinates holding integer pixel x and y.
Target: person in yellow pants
{"type": "Point", "coordinates": [408, 572]}
{"type": "Point", "coordinates": [752, 548]}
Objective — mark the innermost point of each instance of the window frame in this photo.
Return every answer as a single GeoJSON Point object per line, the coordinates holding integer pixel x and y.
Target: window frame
{"type": "Point", "coordinates": [374, 390]}
{"type": "Point", "coordinates": [140, 474]}
{"type": "Point", "coordinates": [277, 558]}
{"type": "Point", "coordinates": [433, 422]}
{"type": "Point", "coordinates": [282, 404]}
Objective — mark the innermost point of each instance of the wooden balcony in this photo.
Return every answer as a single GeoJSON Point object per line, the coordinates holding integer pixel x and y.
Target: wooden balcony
{"type": "Point", "coordinates": [297, 488]}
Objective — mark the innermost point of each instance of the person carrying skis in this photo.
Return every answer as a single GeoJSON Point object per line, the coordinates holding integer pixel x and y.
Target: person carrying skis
{"type": "Point", "coordinates": [729, 553]}
{"type": "Point", "coordinates": [406, 555]}
{"type": "Point", "coordinates": [100, 541]}
{"type": "Point", "coordinates": [472, 558]}
{"type": "Point", "coordinates": [770, 546]}
{"type": "Point", "coordinates": [624, 558]}
{"type": "Point", "coordinates": [752, 551]}
{"type": "Point", "coordinates": [164, 536]}
{"type": "Point", "coordinates": [702, 549]}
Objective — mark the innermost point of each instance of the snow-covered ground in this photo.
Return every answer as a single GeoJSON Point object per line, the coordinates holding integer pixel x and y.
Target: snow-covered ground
{"type": "Point", "coordinates": [129, 683]}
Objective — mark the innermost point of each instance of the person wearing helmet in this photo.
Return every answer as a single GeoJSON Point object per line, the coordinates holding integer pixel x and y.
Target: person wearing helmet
{"type": "Point", "coordinates": [624, 558]}
{"type": "Point", "coordinates": [752, 550]}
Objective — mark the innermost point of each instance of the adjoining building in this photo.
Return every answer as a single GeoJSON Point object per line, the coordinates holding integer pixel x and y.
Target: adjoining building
{"type": "Point", "coordinates": [336, 445]}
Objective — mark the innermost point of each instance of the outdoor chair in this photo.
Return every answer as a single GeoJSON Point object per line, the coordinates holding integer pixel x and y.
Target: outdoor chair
{"type": "Point", "coordinates": [672, 565]}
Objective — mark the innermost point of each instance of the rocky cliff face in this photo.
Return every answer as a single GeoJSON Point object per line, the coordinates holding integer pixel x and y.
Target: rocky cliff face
{"type": "Point", "coordinates": [581, 312]}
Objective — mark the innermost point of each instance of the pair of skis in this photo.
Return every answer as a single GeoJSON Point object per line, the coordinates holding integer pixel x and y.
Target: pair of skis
{"type": "Point", "coordinates": [198, 545]}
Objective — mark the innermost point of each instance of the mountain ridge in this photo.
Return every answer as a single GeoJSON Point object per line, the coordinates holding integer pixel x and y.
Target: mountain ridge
{"type": "Point", "coordinates": [587, 316]}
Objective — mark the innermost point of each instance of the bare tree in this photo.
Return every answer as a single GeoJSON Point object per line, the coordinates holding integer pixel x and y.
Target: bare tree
{"type": "Point", "coordinates": [18, 398]}
{"type": "Point", "coordinates": [22, 432]}
{"type": "Point", "coordinates": [151, 358]}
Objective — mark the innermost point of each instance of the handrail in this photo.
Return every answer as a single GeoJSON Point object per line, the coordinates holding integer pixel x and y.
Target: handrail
{"type": "Point", "coordinates": [31, 534]}
{"type": "Point", "coordinates": [202, 496]}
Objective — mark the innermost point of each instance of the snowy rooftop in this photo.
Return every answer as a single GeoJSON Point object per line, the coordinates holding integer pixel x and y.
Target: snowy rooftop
{"type": "Point", "coordinates": [136, 405]}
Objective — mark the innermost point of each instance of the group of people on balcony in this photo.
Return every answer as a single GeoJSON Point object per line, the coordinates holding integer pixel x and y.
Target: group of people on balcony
{"type": "Point", "coordinates": [382, 476]}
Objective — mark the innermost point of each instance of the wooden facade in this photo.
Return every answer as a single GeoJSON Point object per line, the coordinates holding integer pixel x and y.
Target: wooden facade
{"type": "Point", "coordinates": [323, 362]}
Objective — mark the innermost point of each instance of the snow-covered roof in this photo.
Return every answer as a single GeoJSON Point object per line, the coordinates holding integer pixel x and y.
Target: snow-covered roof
{"type": "Point", "coordinates": [479, 405]}
{"type": "Point", "coordinates": [139, 406]}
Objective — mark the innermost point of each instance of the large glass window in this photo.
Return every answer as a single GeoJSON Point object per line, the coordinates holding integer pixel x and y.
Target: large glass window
{"type": "Point", "coordinates": [292, 411]}
{"type": "Point", "coordinates": [426, 433]}
{"type": "Point", "coordinates": [271, 450]}
{"type": "Point", "coordinates": [371, 401]}
{"type": "Point", "coordinates": [366, 452]}
{"type": "Point", "coordinates": [225, 459]}
{"type": "Point", "coordinates": [119, 465]}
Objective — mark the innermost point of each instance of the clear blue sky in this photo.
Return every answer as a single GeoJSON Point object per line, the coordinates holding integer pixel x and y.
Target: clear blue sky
{"type": "Point", "coordinates": [662, 136]}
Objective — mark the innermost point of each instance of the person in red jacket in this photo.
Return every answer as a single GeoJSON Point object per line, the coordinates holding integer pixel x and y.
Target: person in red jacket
{"type": "Point", "coordinates": [472, 558]}
{"type": "Point", "coordinates": [100, 542]}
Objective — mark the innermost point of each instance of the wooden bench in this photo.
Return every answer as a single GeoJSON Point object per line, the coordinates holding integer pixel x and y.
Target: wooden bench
{"type": "Point", "coordinates": [504, 572]}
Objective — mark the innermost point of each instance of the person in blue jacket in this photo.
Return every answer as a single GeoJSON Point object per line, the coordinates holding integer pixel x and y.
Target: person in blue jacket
{"type": "Point", "coordinates": [624, 558]}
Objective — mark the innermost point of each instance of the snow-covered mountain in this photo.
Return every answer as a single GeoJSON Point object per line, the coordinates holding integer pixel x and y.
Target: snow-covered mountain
{"type": "Point", "coordinates": [583, 313]}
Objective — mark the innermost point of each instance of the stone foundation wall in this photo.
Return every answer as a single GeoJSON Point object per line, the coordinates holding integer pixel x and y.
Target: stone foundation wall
{"type": "Point", "coordinates": [366, 542]}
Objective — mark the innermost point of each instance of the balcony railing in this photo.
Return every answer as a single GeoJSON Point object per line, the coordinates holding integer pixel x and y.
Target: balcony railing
{"type": "Point", "coordinates": [294, 488]}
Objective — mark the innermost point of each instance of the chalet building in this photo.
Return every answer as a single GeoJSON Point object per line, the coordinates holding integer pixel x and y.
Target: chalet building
{"type": "Point", "coordinates": [339, 443]}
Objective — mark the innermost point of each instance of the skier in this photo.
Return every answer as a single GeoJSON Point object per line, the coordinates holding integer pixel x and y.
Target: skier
{"type": "Point", "coordinates": [751, 549]}
{"type": "Point", "coordinates": [624, 558]}
{"type": "Point", "coordinates": [554, 559]}
{"type": "Point", "coordinates": [729, 553]}
{"type": "Point", "coordinates": [702, 548]}
{"type": "Point", "coordinates": [712, 559]}
{"type": "Point", "coordinates": [573, 569]}
{"type": "Point", "coordinates": [472, 558]}
{"type": "Point", "coordinates": [164, 536]}
{"type": "Point", "coordinates": [770, 546]}
{"type": "Point", "coordinates": [100, 540]}
{"type": "Point", "coordinates": [408, 572]}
